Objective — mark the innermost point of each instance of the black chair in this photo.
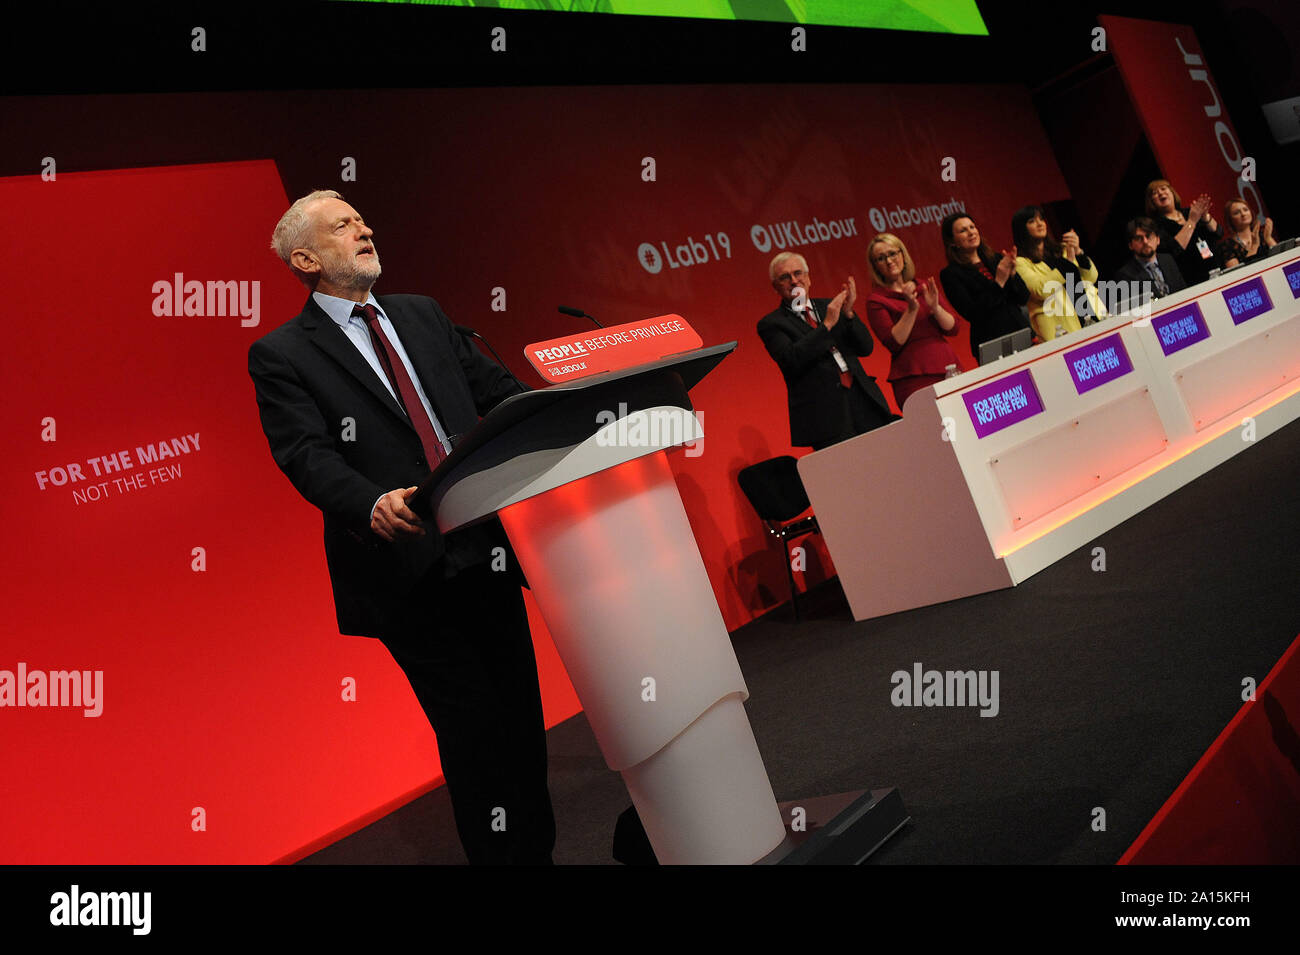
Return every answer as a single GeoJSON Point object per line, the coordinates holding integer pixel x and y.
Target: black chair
{"type": "Point", "coordinates": [777, 495]}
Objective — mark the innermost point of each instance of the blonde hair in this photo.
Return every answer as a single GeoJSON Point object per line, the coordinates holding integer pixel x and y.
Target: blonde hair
{"type": "Point", "coordinates": [877, 277]}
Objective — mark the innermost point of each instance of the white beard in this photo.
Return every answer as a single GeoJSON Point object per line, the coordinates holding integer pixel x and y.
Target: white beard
{"type": "Point", "coordinates": [354, 273]}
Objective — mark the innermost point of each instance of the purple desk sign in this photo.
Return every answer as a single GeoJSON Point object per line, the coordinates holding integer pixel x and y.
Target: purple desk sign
{"type": "Point", "coordinates": [1002, 403]}
{"type": "Point", "coordinates": [1247, 300]}
{"type": "Point", "coordinates": [1292, 273]}
{"type": "Point", "coordinates": [1098, 362]}
{"type": "Point", "coordinates": [1182, 327]}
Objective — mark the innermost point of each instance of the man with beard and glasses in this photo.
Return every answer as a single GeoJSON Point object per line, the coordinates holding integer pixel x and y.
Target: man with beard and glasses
{"type": "Point", "coordinates": [1150, 274]}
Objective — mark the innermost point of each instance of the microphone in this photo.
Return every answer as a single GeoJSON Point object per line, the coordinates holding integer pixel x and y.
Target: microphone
{"type": "Point", "coordinates": [468, 332]}
{"type": "Point", "coordinates": [579, 313]}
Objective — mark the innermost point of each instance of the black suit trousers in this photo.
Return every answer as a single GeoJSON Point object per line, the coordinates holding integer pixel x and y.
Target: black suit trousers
{"type": "Point", "coordinates": [860, 414]}
{"type": "Point", "coordinates": [466, 650]}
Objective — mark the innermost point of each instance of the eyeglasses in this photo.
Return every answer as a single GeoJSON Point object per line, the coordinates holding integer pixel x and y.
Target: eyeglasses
{"type": "Point", "coordinates": [886, 256]}
{"type": "Point", "coordinates": [790, 276]}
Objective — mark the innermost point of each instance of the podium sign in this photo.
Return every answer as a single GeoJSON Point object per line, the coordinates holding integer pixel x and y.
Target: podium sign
{"type": "Point", "coordinates": [609, 349]}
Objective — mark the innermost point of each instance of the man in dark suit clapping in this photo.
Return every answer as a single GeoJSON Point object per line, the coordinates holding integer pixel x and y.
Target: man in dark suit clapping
{"type": "Point", "coordinates": [816, 344]}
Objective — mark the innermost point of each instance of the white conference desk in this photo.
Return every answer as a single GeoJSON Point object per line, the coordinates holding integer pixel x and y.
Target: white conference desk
{"type": "Point", "coordinates": [1001, 471]}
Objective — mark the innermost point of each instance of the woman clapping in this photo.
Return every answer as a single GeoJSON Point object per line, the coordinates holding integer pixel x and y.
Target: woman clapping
{"type": "Point", "coordinates": [981, 284]}
{"type": "Point", "coordinates": [1061, 279]}
{"type": "Point", "coordinates": [1246, 239]}
{"type": "Point", "coordinates": [1188, 233]}
{"type": "Point", "coordinates": [908, 318]}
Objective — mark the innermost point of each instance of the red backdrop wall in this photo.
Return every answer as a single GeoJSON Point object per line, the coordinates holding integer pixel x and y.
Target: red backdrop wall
{"type": "Point", "coordinates": [1178, 101]}
{"type": "Point", "coordinates": [224, 682]}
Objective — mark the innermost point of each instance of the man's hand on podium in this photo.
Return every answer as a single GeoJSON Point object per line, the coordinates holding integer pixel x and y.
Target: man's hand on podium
{"type": "Point", "coordinates": [392, 519]}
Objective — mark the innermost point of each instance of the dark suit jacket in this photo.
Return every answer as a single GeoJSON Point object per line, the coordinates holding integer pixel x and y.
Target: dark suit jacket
{"type": "Point", "coordinates": [310, 379]}
{"type": "Point", "coordinates": [1131, 271]}
{"type": "Point", "coordinates": [812, 378]}
{"type": "Point", "coordinates": [992, 310]}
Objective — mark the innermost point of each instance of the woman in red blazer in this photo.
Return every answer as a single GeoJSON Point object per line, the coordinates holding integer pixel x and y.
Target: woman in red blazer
{"type": "Point", "coordinates": [908, 319]}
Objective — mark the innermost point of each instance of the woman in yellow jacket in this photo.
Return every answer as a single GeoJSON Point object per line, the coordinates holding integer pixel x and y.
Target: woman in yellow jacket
{"type": "Point", "coordinates": [1060, 278]}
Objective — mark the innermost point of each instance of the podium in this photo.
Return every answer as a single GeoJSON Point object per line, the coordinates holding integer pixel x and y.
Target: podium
{"type": "Point", "coordinates": [578, 475]}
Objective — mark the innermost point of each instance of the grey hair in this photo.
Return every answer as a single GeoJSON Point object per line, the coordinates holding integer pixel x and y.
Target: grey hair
{"type": "Point", "coordinates": [781, 257]}
{"type": "Point", "coordinates": [293, 231]}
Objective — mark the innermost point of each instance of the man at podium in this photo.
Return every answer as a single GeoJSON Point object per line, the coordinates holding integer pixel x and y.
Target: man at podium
{"type": "Point", "coordinates": [359, 397]}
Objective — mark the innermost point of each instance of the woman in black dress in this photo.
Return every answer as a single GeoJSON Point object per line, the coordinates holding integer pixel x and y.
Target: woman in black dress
{"type": "Point", "coordinates": [1188, 233]}
{"type": "Point", "coordinates": [981, 284]}
{"type": "Point", "coordinates": [1244, 239]}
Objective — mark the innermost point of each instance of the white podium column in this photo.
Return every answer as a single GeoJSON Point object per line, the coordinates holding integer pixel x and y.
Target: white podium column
{"type": "Point", "coordinates": [614, 567]}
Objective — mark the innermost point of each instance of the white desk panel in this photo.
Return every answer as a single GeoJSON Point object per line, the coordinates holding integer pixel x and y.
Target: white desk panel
{"type": "Point", "coordinates": [1045, 485]}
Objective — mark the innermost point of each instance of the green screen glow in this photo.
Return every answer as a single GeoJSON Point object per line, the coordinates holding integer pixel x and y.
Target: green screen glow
{"type": "Point", "coordinates": [931, 16]}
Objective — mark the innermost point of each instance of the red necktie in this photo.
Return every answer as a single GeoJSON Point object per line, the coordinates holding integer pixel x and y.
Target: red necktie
{"type": "Point", "coordinates": [846, 378]}
{"type": "Point", "coordinates": [409, 397]}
